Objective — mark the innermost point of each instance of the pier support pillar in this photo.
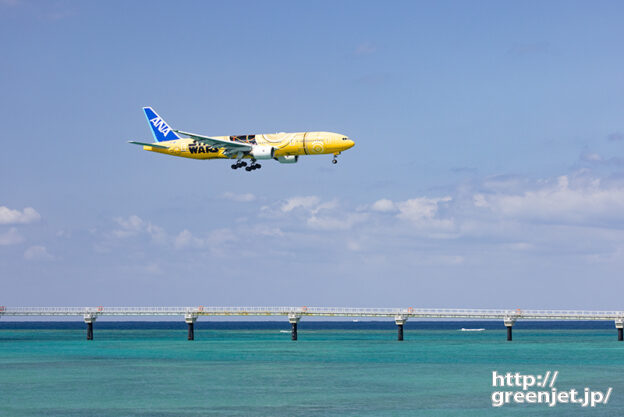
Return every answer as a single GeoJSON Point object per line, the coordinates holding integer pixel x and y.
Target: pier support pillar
{"type": "Point", "coordinates": [293, 319]}
{"type": "Point", "coordinates": [619, 325]}
{"type": "Point", "coordinates": [400, 321]}
{"type": "Point", "coordinates": [190, 319]}
{"type": "Point", "coordinates": [90, 319]}
{"type": "Point", "coordinates": [509, 322]}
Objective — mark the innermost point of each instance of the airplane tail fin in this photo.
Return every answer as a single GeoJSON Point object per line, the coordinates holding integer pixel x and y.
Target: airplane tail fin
{"type": "Point", "coordinates": [160, 128]}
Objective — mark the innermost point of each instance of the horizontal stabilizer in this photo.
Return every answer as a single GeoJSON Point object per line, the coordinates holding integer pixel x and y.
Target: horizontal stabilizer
{"type": "Point", "coordinates": [153, 145]}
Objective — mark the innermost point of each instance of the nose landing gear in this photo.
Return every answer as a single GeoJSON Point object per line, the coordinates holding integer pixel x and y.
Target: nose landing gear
{"type": "Point", "coordinates": [335, 160]}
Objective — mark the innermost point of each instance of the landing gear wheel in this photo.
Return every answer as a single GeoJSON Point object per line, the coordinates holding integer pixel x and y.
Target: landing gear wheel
{"type": "Point", "coordinates": [248, 169]}
{"type": "Point", "coordinates": [258, 166]}
{"type": "Point", "coordinates": [334, 161]}
{"type": "Point", "coordinates": [234, 166]}
{"type": "Point", "coordinates": [243, 164]}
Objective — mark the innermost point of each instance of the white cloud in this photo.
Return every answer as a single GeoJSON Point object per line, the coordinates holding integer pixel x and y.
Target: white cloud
{"type": "Point", "coordinates": [559, 202]}
{"type": "Point", "coordinates": [509, 215]}
{"type": "Point", "coordinates": [299, 208]}
{"type": "Point", "coordinates": [575, 214]}
{"type": "Point", "coordinates": [317, 214]}
{"type": "Point", "coordinates": [131, 226]}
{"type": "Point", "coordinates": [597, 159]}
{"type": "Point", "coordinates": [239, 197]}
{"type": "Point", "coordinates": [37, 253]}
{"type": "Point", "coordinates": [421, 212]}
{"type": "Point", "coordinates": [505, 183]}
{"type": "Point", "coordinates": [299, 202]}
{"type": "Point", "coordinates": [134, 225]}
{"type": "Point", "coordinates": [9, 216]}
{"type": "Point", "coordinates": [479, 200]}
{"type": "Point", "coordinates": [215, 241]}
{"type": "Point", "coordinates": [186, 239]}
{"type": "Point", "coordinates": [593, 157]}
{"type": "Point", "coordinates": [336, 222]}
{"type": "Point", "coordinates": [11, 237]}
{"type": "Point", "coordinates": [310, 204]}
{"type": "Point", "coordinates": [327, 205]}
{"type": "Point", "coordinates": [384, 205]}
{"type": "Point", "coordinates": [266, 230]}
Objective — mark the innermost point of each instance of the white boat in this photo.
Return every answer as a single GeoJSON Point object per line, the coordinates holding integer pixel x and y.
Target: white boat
{"type": "Point", "coordinates": [471, 330]}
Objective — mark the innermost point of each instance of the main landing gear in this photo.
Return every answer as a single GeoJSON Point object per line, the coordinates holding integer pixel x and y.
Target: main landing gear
{"type": "Point", "coordinates": [253, 166]}
{"type": "Point", "coordinates": [239, 164]}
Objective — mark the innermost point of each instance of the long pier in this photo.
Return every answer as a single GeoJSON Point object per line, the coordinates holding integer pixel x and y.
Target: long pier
{"type": "Point", "coordinates": [294, 314]}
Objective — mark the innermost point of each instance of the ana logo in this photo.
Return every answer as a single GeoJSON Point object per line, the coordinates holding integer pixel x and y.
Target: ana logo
{"type": "Point", "coordinates": [160, 124]}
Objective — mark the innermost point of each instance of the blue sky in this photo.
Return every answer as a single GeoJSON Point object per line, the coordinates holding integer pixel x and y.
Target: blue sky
{"type": "Point", "coordinates": [488, 169]}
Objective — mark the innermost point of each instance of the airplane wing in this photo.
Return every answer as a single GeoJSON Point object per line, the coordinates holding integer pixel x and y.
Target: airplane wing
{"type": "Point", "coordinates": [153, 145]}
{"type": "Point", "coordinates": [230, 146]}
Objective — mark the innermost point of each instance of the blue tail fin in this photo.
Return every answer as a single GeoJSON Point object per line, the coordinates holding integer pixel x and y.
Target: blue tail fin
{"type": "Point", "coordinates": [160, 128]}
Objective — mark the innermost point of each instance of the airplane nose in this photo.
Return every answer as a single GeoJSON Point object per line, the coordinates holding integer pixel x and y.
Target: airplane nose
{"type": "Point", "coordinates": [350, 144]}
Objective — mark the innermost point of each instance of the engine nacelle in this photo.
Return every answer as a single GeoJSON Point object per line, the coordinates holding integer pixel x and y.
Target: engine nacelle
{"type": "Point", "coordinates": [262, 152]}
{"type": "Point", "coordinates": [288, 159]}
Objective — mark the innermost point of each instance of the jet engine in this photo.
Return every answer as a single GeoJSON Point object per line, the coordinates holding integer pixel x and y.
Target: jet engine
{"type": "Point", "coordinates": [262, 152]}
{"type": "Point", "coordinates": [288, 159]}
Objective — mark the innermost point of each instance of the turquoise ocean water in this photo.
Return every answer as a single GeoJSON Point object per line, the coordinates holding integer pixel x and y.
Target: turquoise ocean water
{"type": "Point", "coordinates": [334, 369]}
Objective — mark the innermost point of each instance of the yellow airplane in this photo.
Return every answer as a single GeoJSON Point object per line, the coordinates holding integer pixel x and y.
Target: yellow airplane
{"type": "Point", "coordinates": [283, 147]}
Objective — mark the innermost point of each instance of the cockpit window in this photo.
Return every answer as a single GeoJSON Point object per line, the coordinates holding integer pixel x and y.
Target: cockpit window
{"type": "Point", "coordinates": [345, 138]}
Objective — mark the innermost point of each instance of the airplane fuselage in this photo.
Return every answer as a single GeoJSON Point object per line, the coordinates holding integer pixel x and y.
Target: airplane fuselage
{"type": "Point", "coordinates": [284, 144]}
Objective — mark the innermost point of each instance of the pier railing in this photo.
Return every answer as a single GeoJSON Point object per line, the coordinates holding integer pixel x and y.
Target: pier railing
{"type": "Point", "coordinates": [408, 312]}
